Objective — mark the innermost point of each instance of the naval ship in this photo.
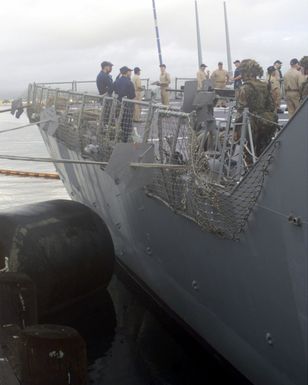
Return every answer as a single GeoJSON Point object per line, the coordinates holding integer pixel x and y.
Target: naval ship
{"type": "Point", "coordinates": [215, 234]}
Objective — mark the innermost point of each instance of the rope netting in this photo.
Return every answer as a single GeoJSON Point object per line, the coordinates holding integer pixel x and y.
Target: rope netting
{"type": "Point", "coordinates": [215, 178]}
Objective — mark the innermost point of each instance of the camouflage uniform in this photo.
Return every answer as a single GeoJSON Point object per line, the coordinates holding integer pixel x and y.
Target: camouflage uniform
{"type": "Point", "coordinates": [304, 90]}
{"type": "Point", "coordinates": [255, 95]}
{"type": "Point", "coordinates": [304, 87]}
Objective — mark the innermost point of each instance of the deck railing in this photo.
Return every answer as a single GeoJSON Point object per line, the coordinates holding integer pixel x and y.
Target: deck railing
{"type": "Point", "coordinates": [199, 173]}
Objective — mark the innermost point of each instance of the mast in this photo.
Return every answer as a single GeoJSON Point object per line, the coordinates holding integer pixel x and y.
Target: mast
{"type": "Point", "coordinates": [157, 34]}
{"type": "Point", "coordinates": [198, 34]}
{"type": "Point", "coordinates": [228, 41]}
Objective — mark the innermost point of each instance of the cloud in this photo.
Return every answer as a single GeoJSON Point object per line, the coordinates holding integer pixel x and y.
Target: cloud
{"type": "Point", "coordinates": [44, 40]}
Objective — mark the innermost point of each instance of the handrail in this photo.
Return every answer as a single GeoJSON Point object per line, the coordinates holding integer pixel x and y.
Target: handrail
{"type": "Point", "coordinates": [74, 83]}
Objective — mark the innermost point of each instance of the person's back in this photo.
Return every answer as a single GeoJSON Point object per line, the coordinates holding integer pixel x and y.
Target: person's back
{"type": "Point", "coordinates": [254, 95]}
{"type": "Point", "coordinates": [292, 80]}
{"type": "Point", "coordinates": [125, 88]}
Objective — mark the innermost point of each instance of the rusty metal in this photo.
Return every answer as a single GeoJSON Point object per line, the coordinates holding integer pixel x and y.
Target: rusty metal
{"type": "Point", "coordinates": [17, 300]}
{"type": "Point", "coordinates": [53, 354]}
{"type": "Point", "coordinates": [30, 174]}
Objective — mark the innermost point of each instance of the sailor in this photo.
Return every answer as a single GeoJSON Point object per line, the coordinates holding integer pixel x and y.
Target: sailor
{"type": "Point", "coordinates": [277, 65]}
{"type": "Point", "coordinates": [255, 96]}
{"type": "Point", "coordinates": [274, 86]}
{"type": "Point", "coordinates": [164, 81]}
{"type": "Point", "coordinates": [138, 90]}
{"type": "Point", "coordinates": [237, 78]}
{"type": "Point", "coordinates": [293, 80]}
{"type": "Point", "coordinates": [304, 87]}
{"type": "Point", "coordinates": [124, 88]}
{"type": "Point", "coordinates": [104, 80]}
{"type": "Point", "coordinates": [202, 75]}
{"type": "Point", "coordinates": [220, 78]}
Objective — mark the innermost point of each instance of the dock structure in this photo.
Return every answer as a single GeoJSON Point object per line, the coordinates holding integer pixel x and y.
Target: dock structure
{"type": "Point", "coordinates": [7, 374]}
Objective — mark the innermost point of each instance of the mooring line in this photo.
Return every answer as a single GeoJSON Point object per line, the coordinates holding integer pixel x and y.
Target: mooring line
{"type": "Point", "coordinates": [24, 126]}
{"type": "Point", "coordinates": [50, 160]}
{"type": "Point", "coordinates": [30, 174]}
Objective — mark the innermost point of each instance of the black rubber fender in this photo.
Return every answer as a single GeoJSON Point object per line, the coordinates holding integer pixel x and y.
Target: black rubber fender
{"type": "Point", "coordinates": [63, 246]}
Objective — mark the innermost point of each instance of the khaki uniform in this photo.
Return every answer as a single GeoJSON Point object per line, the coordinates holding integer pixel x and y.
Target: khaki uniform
{"type": "Point", "coordinates": [138, 89]}
{"type": "Point", "coordinates": [201, 77]}
{"type": "Point", "coordinates": [275, 90]}
{"type": "Point", "coordinates": [277, 75]}
{"type": "Point", "coordinates": [220, 79]}
{"type": "Point", "coordinates": [164, 82]}
{"type": "Point", "coordinates": [293, 81]}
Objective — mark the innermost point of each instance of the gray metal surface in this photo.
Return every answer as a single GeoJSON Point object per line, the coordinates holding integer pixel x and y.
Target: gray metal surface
{"type": "Point", "coordinates": [129, 178]}
{"type": "Point", "coordinates": [247, 298]}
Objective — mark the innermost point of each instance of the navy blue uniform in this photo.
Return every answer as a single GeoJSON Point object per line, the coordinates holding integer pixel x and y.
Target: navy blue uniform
{"type": "Point", "coordinates": [237, 83]}
{"type": "Point", "coordinates": [104, 83]}
{"type": "Point", "coordinates": [124, 88]}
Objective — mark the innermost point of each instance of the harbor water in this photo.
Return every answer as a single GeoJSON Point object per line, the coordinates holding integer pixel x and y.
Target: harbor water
{"type": "Point", "coordinates": [17, 190]}
{"type": "Point", "coordinates": [130, 340]}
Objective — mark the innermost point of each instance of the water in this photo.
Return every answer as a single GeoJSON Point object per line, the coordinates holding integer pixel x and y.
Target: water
{"type": "Point", "coordinates": [28, 142]}
{"type": "Point", "coordinates": [130, 340]}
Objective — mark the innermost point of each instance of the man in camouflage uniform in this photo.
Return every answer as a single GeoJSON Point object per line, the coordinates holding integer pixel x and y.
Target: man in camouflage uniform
{"type": "Point", "coordinates": [255, 95]}
{"type": "Point", "coordinates": [304, 87]}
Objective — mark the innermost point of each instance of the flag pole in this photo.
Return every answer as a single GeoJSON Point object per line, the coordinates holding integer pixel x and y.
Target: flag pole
{"type": "Point", "coordinates": [157, 34]}
{"type": "Point", "coordinates": [198, 35]}
{"type": "Point", "coordinates": [228, 41]}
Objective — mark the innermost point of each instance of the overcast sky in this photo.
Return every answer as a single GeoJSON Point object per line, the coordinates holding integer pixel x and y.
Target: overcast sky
{"type": "Point", "coordinates": [67, 39]}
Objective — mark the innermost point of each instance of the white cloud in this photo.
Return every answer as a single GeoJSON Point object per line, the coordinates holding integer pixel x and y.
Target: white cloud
{"type": "Point", "coordinates": [67, 39]}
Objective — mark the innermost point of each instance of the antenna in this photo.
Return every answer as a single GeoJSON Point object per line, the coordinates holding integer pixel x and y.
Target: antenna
{"type": "Point", "coordinates": [157, 34]}
{"type": "Point", "coordinates": [228, 41]}
{"type": "Point", "coordinates": [198, 35]}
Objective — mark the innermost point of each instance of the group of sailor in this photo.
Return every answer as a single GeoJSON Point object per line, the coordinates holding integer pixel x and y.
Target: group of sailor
{"type": "Point", "coordinates": [293, 85]}
{"type": "Point", "coordinates": [261, 97]}
{"type": "Point", "coordinates": [128, 86]}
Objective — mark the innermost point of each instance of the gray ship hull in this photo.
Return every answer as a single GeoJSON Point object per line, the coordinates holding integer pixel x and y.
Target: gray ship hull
{"type": "Point", "coordinates": [248, 297]}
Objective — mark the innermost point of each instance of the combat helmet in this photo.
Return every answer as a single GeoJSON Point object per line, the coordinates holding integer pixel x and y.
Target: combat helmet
{"type": "Point", "coordinates": [304, 62]}
{"type": "Point", "coordinates": [250, 69]}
